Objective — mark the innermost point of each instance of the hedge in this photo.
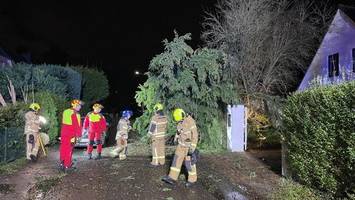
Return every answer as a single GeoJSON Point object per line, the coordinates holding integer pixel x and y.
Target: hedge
{"type": "Point", "coordinates": [319, 131]}
{"type": "Point", "coordinates": [12, 142]}
{"type": "Point", "coordinates": [95, 86]}
{"type": "Point", "coordinates": [51, 108]}
{"type": "Point", "coordinates": [56, 79]}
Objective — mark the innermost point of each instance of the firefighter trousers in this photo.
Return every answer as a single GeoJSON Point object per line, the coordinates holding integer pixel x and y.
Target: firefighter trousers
{"type": "Point", "coordinates": [32, 148]}
{"type": "Point", "coordinates": [180, 157]}
{"type": "Point", "coordinates": [158, 151]}
{"type": "Point", "coordinates": [66, 150]}
{"type": "Point", "coordinates": [94, 137]}
{"type": "Point", "coordinates": [122, 148]}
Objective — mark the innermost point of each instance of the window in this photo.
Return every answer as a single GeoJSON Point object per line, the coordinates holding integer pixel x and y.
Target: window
{"type": "Point", "coordinates": [333, 65]}
{"type": "Point", "coordinates": [229, 120]}
{"type": "Point", "coordinates": [354, 60]}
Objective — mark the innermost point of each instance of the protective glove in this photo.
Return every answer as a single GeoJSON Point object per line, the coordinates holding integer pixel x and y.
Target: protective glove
{"type": "Point", "coordinates": [122, 141]}
{"type": "Point", "coordinates": [195, 156]}
{"type": "Point", "coordinates": [176, 139]}
{"type": "Point", "coordinates": [191, 150]}
{"type": "Point", "coordinates": [72, 140]}
{"type": "Point", "coordinates": [31, 139]}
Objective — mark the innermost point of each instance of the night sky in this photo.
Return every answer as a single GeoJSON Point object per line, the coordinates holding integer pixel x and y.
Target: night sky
{"type": "Point", "coordinates": [116, 37]}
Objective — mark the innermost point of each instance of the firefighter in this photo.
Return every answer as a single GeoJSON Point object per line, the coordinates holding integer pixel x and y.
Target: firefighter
{"type": "Point", "coordinates": [123, 128]}
{"type": "Point", "coordinates": [70, 131]}
{"type": "Point", "coordinates": [95, 124]}
{"type": "Point", "coordinates": [32, 127]}
{"type": "Point", "coordinates": [187, 138]}
{"type": "Point", "coordinates": [157, 130]}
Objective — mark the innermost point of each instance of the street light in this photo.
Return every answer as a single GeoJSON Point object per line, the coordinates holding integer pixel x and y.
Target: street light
{"type": "Point", "coordinates": [137, 72]}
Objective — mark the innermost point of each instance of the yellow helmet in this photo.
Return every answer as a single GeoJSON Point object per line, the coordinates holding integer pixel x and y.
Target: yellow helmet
{"type": "Point", "coordinates": [158, 107]}
{"type": "Point", "coordinates": [76, 102]}
{"type": "Point", "coordinates": [35, 106]}
{"type": "Point", "coordinates": [178, 114]}
{"type": "Point", "coordinates": [97, 105]}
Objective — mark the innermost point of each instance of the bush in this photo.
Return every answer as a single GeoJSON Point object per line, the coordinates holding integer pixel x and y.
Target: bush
{"type": "Point", "coordinates": [319, 132]}
{"type": "Point", "coordinates": [56, 79]}
{"type": "Point", "coordinates": [13, 115]}
{"type": "Point", "coordinates": [12, 142]}
{"type": "Point", "coordinates": [95, 86]}
{"type": "Point", "coordinates": [66, 75]}
{"type": "Point", "coordinates": [50, 109]}
{"type": "Point", "coordinates": [289, 190]}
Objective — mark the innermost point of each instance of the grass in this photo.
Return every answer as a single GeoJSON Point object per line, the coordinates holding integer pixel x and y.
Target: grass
{"type": "Point", "coordinates": [12, 167]}
{"type": "Point", "coordinates": [6, 188]}
{"type": "Point", "coordinates": [45, 185]}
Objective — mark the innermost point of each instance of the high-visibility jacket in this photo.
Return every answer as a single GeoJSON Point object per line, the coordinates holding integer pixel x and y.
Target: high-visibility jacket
{"type": "Point", "coordinates": [95, 122]}
{"type": "Point", "coordinates": [187, 133]}
{"type": "Point", "coordinates": [71, 123]}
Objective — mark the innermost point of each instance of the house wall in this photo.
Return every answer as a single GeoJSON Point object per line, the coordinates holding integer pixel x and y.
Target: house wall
{"type": "Point", "coordinates": [4, 62]}
{"type": "Point", "coordinates": [339, 39]}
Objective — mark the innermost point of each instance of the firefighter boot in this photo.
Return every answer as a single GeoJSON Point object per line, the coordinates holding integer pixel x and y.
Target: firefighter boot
{"type": "Point", "coordinates": [189, 184]}
{"type": "Point", "coordinates": [90, 156]}
{"type": "Point", "coordinates": [33, 158]}
{"type": "Point", "coordinates": [98, 157]}
{"type": "Point", "coordinates": [168, 180]}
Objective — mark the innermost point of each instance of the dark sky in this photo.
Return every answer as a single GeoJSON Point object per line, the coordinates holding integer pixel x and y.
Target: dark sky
{"type": "Point", "coordinates": [117, 37]}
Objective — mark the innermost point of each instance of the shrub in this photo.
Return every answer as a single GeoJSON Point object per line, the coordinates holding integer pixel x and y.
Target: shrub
{"type": "Point", "coordinates": [50, 109]}
{"type": "Point", "coordinates": [13, 115]}
{"type": "Point", "coordinates": [12, 142]}
{"type": "Point", "coordinates": [289, 190]}
{"type": "Point", "coordinates": [56, 79]}
{"type": "Point", "coordinates": [95, 86]}
{"type": "Point", "coordinates": [319, 132]}
{"type": "Point", "coordinates": [66, 75]}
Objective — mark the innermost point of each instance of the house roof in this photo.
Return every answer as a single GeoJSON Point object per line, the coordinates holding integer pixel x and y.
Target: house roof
{"type": "Point", "coordinates": [348, 10]}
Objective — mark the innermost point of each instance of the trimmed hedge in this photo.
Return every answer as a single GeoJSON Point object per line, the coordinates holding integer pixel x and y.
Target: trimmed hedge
{"type": "Point", "coordinates": [65, 75]}
{"type": "Point", "coordinates": [56, 79]}
{"type": "Point", "coordinates": [319, 131]}
{"type": "Point", "coordinates": [95, 86]}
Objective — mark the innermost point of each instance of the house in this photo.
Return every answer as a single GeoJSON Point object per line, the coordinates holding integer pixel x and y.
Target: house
{"type": "Point", "coordinates": [334, 61]}
{"type": "Point", "coordinates": [4, 59]}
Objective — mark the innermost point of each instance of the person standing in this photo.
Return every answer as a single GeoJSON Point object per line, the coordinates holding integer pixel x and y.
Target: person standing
{"type": "Point", "coordinates": [95, 123]}
{"type": "Point", "coordinates": [187, 138]}
{"type": "Point", "coordinates": [32, 127]}
{"type": "Point", "coordinates": [157, 130]}
{"type": "Point", "coordinates": [123, 128]}
{"type": "Point", "coordinates": [70, 131]}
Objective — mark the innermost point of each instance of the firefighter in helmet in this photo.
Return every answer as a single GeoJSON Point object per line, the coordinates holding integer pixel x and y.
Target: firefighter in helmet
{"type": "Point", "coordinates": [70, 131]}
{"type": "Point", "coordinates": [95, 124]}
{"type": "Point", "coordinates": [123, 128]}
{"type": "Point", "coordinates": [157, 130]}
{"type": "Point", "coordinates": [187, 138]}
{"type": "Point", "coordinates": [32, 127]}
